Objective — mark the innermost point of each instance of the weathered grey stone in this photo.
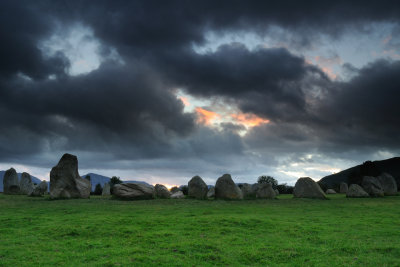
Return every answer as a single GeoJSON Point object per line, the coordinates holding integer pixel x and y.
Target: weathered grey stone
{"type": "Point", "coordinates": [211, 192]}
{"type": "Point", "coordinates": [306, 187]}
{"type": "Point", "coordinates": [106, 190]}
{"type": "Point", "coordinates": [177, 195]}
{"type": "Point", "coordinates": [162, 191]}
{"type": "Point", "coordinates": [254, 188]}
{"type": "Point", "coordinates": [248, 191]}
{"type": "Point", "coordinates": [25, 184]}
{"type": "Point", "coordinates": [225, 188]}
{"type": "Point", "coordinates": [330, 191]}
{"type": "Point", "coordinates": [343, 188]}
{"type": "Point", "coordinates": [65, 181]}
{"type": "Point", "coordinates": [265, 190]}
{"type": "Point", "coordinates": [197, 188]}
{"type": "Point", "coordinates": [276, 192]}
{"type": "Point", "coordinates": [388, 184]}
{"type": "Point", "coordinates": [39, 190]}
{"type": "Point", "coordinates": [10, 182]}
{"type": "Point", "coordinates": [372, 186]}
{"type": "Point", "coordinates": [134, 191]}
{"type": "Point", "coordinates": [356, 191]}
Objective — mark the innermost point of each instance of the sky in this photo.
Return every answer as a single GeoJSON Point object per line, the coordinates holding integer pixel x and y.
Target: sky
{"type": "Point", "coordinates": [161, 91]}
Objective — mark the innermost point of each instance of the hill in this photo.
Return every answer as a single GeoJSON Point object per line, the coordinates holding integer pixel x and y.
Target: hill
{"type": "Point", "coordinates": [101, 179]}
{"type": "Point", "coordinates": [34, 179]}
{"type": "Point", "coordinates": [391, 166]}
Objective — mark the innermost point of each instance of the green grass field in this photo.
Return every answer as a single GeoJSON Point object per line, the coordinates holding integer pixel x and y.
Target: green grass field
{"type": "Point", "coordinates": [284, 232]}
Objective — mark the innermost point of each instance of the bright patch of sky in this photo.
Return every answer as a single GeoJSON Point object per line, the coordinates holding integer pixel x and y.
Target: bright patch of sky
{"type": "Point", "coordinates": [81, 47]}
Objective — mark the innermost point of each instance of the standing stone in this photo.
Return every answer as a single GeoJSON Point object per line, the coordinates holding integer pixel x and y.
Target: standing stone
{"type": "Point", "coordinates": [265, 190]}
{"type": "Point", "coordinates": [248, 191]}
{"type": "Point", "coordinates": [330, 191]}
{"type": "Point", "coordinates": [10, 182]}
{"type": "Point", "coordinates": [254, 188]}
{"type": "Point", "coordinates": [276, 192]}
{"type": "Point", "coordinates": [65, 181]}
{"type": "Point", "coordinates": [356, 191]}
{"type": "Point", "coordinates": [225, 188]}
{"type": "Point", "coordinates": [197, 188]}
{"type": "Point", "coordinates": [306, 187]}
{"type": "Point", "coordinates": [134, 191]}
{"type": "Point", "coordinates": [178, 195]}
{"type": "Point", "coordinates": [372, 186]}
{"type": "Point", "coordinates": [388, 184]}
{"type": "Point", "coordinates": [106, 190]}
{"type": "Point", "coordinates": [162, 191]}
{"type": "Point", "coordinates": [343, 188]}
{"type": "Point", "coordinates": [211, 192]}
{"type": "Point", "coordinates": [26, 185]}
{"type": "Point", "coordinates": [39, 190]}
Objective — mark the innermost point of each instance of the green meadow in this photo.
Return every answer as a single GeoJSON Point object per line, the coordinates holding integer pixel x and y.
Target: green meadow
{"type": "Point", "coordinates": [285, 232]}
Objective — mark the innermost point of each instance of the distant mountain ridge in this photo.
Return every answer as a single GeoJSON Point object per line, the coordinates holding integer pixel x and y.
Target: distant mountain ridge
{"type": "Point", "coordinates": [101, 179]}
{"type": "Point", "coordinates": [34, 179]}
{"type": "Point", "coordinates": [391, 166]}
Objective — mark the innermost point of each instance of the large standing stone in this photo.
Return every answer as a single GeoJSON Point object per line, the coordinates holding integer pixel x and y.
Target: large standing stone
{"type": "Point", "coordinates": [356, 191]}
{"type": "Point", "coordinates": [134, 191]}
{"type": "Point", "coordinates": [330, 191]}
{"type": "Point", "coordinates": [306, 187]}
{"type": "Point", "coordinates": [197, 188]}
{"type": "Point", "coordinates": [162, 191]}
{"type": "Point", "coordinates": [178, 195]}
{"type": "Point", "coordinates": [372, 186]}
{"type": "Point", "coordinates": [343, 188]}
{"type": "Point", "coordinates": [65, 181]}
{"type": "Point", "coordinates": [265, 190]}
{"type": "Point", "coordinates": [211, 192]}
{"type": "Point", "coordinates": [106, 190]}
{"type": "Point", "coordinates": [10, 182]}
{"type": "Point", "coordinates": [248, 191]}
{"type": "Point", "coordinates": [225, 188]}
{"type": "Point", "coordinates": [388, 184]}
{"type": "Point", "coordinates": [39, 190]}
{"type": "Point", "coordinates": [26, 185]}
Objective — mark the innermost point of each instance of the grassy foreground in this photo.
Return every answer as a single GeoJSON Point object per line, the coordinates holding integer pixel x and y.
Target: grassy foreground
{"type": "Point", "coordinates": [285, 232]}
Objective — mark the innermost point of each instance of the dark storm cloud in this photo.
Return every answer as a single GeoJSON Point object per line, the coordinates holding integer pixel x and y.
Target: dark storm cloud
{"type": "Point", "coordinates": [358, 114]}
{"type": "Point", "coordinates": [130, 110]}
{"type": "Point", "coordinates": [270, 82]}
{"type": "Point", "coordinates": [112, 104]}
{"type": "Point", "coordinates": [21, 28]}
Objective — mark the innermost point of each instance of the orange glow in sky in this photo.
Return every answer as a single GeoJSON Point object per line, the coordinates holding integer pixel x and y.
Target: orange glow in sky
{"type": "Point", "coordinates": [206, 116]}
{"type": "Point", "coordinates": [249, 120]}
{"type": "Point", "coordinates": [185, 101]}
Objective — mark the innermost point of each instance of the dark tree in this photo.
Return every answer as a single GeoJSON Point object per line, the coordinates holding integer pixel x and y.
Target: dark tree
{"type": "Point", "coordinates": [268, 180]}
{"type": "Point", "coordinates": [174, 189]}
{"type": "Point", "coordinates": [87, 177]}
{"type": "Point", "coordinates": [98, 190]}
{"type": "Point", "coordinates": [285, 189]}
{"type": "Point", "coordinates": [184, 189]}
{"type": "Point", "coordinates": [113, 181]}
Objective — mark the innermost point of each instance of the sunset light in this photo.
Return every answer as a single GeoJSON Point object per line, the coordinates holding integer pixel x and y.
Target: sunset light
{"type": "Point", "coordinates": [249, 120]}
{"type": "Point", "coordinates": [206, 117]}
